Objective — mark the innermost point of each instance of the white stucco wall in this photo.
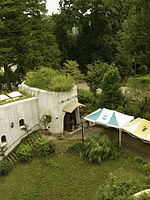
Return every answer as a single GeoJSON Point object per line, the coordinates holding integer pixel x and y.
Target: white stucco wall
{"type": "Point", "coordinates": [26, 109]}
{"type": "Point", "coordinates": [52, 103]}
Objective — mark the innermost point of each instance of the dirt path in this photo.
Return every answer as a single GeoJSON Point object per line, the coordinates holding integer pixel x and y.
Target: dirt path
{"type": "Point", "coordinates": [129, 143]}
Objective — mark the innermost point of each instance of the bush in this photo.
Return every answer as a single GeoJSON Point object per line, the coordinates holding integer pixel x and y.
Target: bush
{"type": "Point", "coordinates": [98, 148]}
{"type": "Point", "coordinates": [146, 169]}
{"type": "Point", "coordinates": [5, 167]}
{"type": "Point", "coordinates": [90, 101]}
{"type": "Point", "coordinates": [139, 160]}
{"type": "Point", "coordinates": [115, 189]}
{"type": "Point", "coordinates": [25, 153]}
{"type": "Point", "coordinates": [142, 165]}
{"type": "Point", "coordinates": [76, 148]}
{"type": "Point", "coordinates": [49, 79]}
{"type": "Point", "coordinates": [44, 147]}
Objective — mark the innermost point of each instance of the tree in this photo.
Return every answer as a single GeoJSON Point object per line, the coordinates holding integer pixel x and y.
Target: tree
{"type": "Point", "coordinates": [134, 46]}
{"type": "Point", "coordinates": [71, 68]}
{"type": "Point", "coordinates": [95, 74]}
{"type": "Point", "coordinates": [111, 96]}
{"type": "Point", "coordinates": [97, 23]}
{"type": "Point", "coordinates": [26, 39]}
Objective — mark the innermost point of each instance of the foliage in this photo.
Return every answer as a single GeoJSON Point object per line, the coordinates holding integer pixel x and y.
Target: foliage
{"type": "Point", "coordinates": [61, 137]}
{"type": "Point", "coordinates": [133, 46]}
{"type": "Point", "coordinates": [44, 147]}
{"type": "Point", "coordinates": [96, 22]}
{"type": "Point", "coordinates": [115, 189]}
{"type": "Point", "coordinates": [76, 148]}
{"type": "Point", "coordinates": [50, 163]}
{"type": "Point", "coordinates": [45, 120]}
{"type": "Point", "coordinates": [142, 165]}
{"type": "Point", "coordinates": [95, 74]}
{"type": "Point", "coordinates": [49, 79]}
{"type": "Point", "coordinates": [139, 160]}
{"type": "Point", "coordinates": [1, 80]}
{"type": "Point", "coordinates": [5, 167]}
{"type": "Point", "coordinates": [24, 153]}
{"type": "Point", "coordinates": [74, 178]}
{"type": "Point", "coordinates": [98, 148]}
{"type": "Point", "coordinates": [137, 97]}
{"type": "Point", "coordinates": [146, 169]}
{"type": "Point", "coordinates": [71, 68]}
{"type": "Point", "coordinates": [144, 79]}
{"type": "Point", "coordinates": [111, 95]}
{"type": "Point", "coordinates": [90, 100]}
{"type": "Point", "coordinates": [27, 46]}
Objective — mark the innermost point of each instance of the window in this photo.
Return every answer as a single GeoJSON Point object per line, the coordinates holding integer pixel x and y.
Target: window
{"type": "Point", "coordinates": [21, 122]}
{"type": "Point", "coordinates": [12, 125]}
{"type": "Point", "coordinates": [3, 139]}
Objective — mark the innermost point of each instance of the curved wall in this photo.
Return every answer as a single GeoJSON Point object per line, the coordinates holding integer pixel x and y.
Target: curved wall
{"type": "Point", "coordinates": [52, 103]}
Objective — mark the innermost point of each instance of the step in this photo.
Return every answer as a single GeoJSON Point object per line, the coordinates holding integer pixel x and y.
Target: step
{"type": "Point", "coordinates": [8, 159]}
{"type": "Point", "coordinates": [15, 156]}
{"type": "Point", "coordinates": [12, 158]}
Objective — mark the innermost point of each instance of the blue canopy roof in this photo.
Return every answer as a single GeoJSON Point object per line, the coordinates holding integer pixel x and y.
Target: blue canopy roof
{"type": "Point", "coordinates": [109, 118]}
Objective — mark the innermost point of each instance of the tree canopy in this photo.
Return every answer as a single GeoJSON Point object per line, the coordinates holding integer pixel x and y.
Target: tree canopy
{"type": "Point", "coordinates": [26, 38]}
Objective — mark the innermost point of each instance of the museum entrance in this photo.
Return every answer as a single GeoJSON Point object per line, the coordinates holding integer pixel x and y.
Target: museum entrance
{"type": "Point", "coordinates": [70, 121]}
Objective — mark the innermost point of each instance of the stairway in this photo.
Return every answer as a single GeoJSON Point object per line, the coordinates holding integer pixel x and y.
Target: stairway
{"type": "Point", "coordinates": [30, 140]}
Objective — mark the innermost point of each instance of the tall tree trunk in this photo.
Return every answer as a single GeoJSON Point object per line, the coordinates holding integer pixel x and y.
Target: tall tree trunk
{"type": "Point", "coordinates": [7, 75]}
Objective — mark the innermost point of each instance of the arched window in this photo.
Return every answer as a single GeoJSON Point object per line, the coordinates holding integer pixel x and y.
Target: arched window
{"type": "Point", "coordinates": [21, 122]}
{"type": "Point", "coordinates": [3, 139]}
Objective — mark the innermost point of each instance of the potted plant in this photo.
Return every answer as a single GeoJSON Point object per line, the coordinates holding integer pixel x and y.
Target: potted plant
{"type": "Point", "coordinates": [44, 121]}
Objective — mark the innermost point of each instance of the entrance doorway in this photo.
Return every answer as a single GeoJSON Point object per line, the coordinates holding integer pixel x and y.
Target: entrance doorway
{"type": "Point", "coordinates": [70, 121]}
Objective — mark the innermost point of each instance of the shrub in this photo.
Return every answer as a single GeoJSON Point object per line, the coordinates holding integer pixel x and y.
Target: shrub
{"type": "Point", "coordinates": [98, 148]}
{"type": "Point", "coordinates": [76, 148]}
{"type": "Point", "coordinates": [25, 153]}
{"type": "Point", "coordinates": [44, 147]}
{"type": "Point", "coordinates": [139, 160]}
{"type": "Point", "coordinates": [45, 120]}
{"type": "Point", "coordinates": [146, 169]}
{"type": "Point", "coordinates": [49, 79]}
{"type": "Point", "coordinates": [5, 167]}
{"type": "Point", "coordinates": [114, 189]}
{"type": "Point", "coordinates": [90, 101]}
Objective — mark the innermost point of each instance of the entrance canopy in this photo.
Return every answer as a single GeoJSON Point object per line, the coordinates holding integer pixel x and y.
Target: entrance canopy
{"type": "Point", "coordinates": [110, 118]}
{"type": "Point", "coordinates": [72, 106]}
{"type": "Point", "coordinates": [139, 128]}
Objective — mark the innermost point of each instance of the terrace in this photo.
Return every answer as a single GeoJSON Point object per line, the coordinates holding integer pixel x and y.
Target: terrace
{"type": "Point", "coordinates": [12, 96]}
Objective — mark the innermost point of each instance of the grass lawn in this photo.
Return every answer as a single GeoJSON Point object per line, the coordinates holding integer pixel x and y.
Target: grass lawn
{"type": "Point", "coordinates": [72, 179]}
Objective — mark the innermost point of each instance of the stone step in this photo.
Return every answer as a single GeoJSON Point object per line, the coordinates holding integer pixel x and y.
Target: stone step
{"type": "Point", "coordinates": [9, 160]}
{"type": "Point", "coordinates": [12, 158]}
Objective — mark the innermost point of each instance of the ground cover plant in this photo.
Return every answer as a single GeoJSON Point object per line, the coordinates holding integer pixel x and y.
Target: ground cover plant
{"type": "Point", "coordinates": [65, 176]}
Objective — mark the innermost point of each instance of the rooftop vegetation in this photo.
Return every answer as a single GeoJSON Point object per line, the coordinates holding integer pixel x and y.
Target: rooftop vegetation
{"type": "Point", "coordinates": [49, 79]}
{"type": "Point", "coordinates": [25, 96]}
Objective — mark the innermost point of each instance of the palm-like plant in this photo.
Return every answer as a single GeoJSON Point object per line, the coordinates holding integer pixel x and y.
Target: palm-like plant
{"type": "Point", "coordinates": [97, 148]}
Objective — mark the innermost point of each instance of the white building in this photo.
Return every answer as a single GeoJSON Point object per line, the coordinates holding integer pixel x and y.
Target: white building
{"type": "Point", "coordinates": [63, 107]}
